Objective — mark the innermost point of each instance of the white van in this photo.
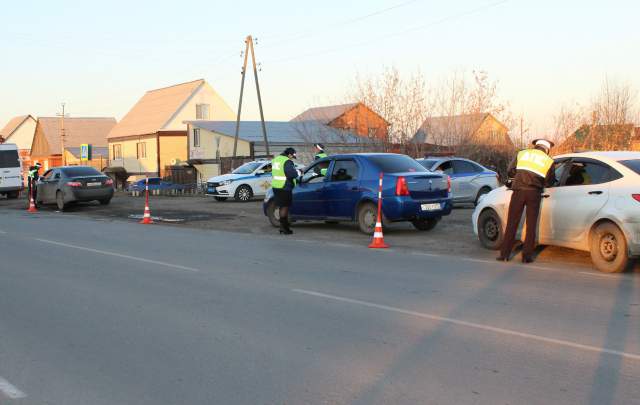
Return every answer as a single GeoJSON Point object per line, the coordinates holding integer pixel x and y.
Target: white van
{"type": "Point", "coordinates": [10, 171]}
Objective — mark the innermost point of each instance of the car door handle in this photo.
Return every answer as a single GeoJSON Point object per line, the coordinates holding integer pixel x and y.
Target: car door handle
{"type": "Point", "coordinates": [598, 192]}
{"type": "Point", "coordinates": [546, 195]}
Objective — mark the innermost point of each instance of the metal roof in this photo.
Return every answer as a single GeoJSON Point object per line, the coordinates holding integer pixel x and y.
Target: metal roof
{"type": "Point", "coordinates": [282, 132]}
{"type": "Point", "coordinates": [325, 114]}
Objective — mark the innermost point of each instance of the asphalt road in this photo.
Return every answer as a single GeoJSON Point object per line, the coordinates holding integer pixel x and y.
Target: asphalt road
{"type": "Point", "coordinates": [102, 312]}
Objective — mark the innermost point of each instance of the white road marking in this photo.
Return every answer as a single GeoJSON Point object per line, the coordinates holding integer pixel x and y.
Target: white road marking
{"type": "Point", "coordinates": [103, 252]}
{"type": "Point", "coordinates": [10, 391]}
{"type": "Point", "coordinates": [508, 332]}
{"type": "Point", "coordinates": [609, 276]}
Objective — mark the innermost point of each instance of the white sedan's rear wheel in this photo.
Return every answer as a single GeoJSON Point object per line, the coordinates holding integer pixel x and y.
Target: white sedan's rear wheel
{"type": "Point", "coordinates": [609, 248]}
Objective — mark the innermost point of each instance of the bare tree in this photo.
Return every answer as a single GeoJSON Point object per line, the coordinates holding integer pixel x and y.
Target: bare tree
{"type": "Point", "coordinates": [401, 101]}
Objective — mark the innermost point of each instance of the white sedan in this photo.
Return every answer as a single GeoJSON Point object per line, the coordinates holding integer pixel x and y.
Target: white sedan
{"type": "Point", "coordinates": [593, 206]}
{"type": "Point", "coordinates": [252, 179]}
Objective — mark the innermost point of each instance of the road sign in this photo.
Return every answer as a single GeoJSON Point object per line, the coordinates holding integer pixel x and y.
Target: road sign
{"type": "Point", "coordinates": [85, 151]}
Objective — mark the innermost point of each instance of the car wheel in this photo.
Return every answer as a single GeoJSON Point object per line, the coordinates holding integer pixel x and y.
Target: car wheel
{"type": "Point", "coordinates": [367, 216]}
{"type": "Point", "coordinates": [483, 191]}
{"type": "Point", "coordinates": [220, 198]}
{"type": "Point", "coordinates": [243, 193]}
{"type": "Point", "coordinates": [106, 201]}
{"type": "Point", "coordinates": [425, 224]}
{"type": "Point", "coordinates": [60, 200]}
{"type": "Point", "coordinates": [273, 213]}
{"type": "Point", "coordinates": [609, 248]}
{"type": "Point", "coordinates": [490, 230]}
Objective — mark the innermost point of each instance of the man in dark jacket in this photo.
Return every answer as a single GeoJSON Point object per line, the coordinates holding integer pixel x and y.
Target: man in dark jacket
{"type": "Point", "coordinates": [32, 178]}
{"type": "Point", "coordinates": [532, 170]}
{"type": "Point", "coordinates": [284, 174]}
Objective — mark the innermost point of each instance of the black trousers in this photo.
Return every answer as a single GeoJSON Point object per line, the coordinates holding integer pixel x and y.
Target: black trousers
{"type": "Point", "coordinates": [519, 200]}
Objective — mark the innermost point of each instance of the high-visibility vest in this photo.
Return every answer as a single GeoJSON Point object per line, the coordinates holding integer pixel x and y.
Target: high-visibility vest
{"type": "Point", "coordinates": [277, 171]}
{"type": "Point", "coordinates": [33, 173]}
{"type": "Point", "coordinates": [535, 161]}
{"type": "Point", "coordinates": [321, 155]}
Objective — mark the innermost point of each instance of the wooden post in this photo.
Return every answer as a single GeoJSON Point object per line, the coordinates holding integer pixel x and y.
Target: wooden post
{"type": "Point", "coordinates": [244, 71]}
{"type": "Point", "coordinates": [255, 74]}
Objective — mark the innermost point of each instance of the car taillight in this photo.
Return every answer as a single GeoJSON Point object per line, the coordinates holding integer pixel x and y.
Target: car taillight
{"type": "Point", "coordinates": [401, 186]}
{"type": "Point", "coordinates": [74, 184]}
{"type": "Point", "coordinates": [448, 184]}
{"type": "Point", "coordinates": [636, 197]}
{"type": "Point", "coordinates": [109, 182]}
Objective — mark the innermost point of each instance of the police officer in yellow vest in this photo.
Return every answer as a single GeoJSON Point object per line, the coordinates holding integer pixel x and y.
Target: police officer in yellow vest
{"type": "Point", "coordinates": [284, 180]}
{"type": "Point", "coordinates": [531, 171]}
{"type": "Point", "coordinates": [32, 178]}
{"type": "Point", "coordinates": [320, 153]}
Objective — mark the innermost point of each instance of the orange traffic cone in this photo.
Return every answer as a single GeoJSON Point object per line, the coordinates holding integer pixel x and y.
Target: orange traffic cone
{"type": "Point", "coordinates": [378, 239]}
{"type": "Point", "coordinates": [32, 204]}
{"type": "Point", "coordinates": [146, 218]}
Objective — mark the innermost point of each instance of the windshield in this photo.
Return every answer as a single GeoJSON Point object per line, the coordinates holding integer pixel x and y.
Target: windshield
{"type": "Point", "coordinates": [9, 158]}
{"type": "Point", "coordinates": [632, 164]}
{"type": "Point", "coordinates": [80, 171]}
{"type": "Point", "coordinates": [247, 168]}
{"type": "Point", "coordinates": [396, 164]}
{"type": "Point", "coordinates": [427, 163]}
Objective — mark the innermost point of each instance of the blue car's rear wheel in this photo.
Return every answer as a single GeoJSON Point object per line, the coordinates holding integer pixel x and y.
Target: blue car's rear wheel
{"type": "Point", "coordinates": [367, 216]}
{"type": "Point", "coordinates": [273, 213]}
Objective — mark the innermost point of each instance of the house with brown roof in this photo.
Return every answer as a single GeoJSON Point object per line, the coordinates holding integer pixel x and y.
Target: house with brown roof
{"type": "Point", "coordinates": [468, 129]}
{"type": "Point", "coordinates": [153, 134]}
{"type": "Point", "coordinates": [47, 144]}
{"type": "Point", "coordinates": [355, 117]}
{"type": "Point", "coordinates": [601, 137]}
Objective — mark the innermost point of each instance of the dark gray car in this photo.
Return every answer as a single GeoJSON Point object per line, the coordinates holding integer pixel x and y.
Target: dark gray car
{"type": "Point", "coordinates": [65, 185]}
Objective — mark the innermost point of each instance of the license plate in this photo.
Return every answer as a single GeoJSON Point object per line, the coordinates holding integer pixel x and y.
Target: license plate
{"type": "Point", "coordinates": [430, 207]}
{"type": "Point", "coordinates": [94, 184]}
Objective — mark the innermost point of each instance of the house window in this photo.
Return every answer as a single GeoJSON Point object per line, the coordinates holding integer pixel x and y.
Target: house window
{"type": "Point", "coordinates": [116, 152]}
{"type": "Point", "coordinates": [196, 137]}
{"type": "Point", "coordinates": [202, 111]}
{"type": "Point", "coordinates": [141, 149]}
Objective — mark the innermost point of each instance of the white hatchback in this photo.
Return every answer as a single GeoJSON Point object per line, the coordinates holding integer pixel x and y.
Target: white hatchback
{"type": "Point", "coordinates": [594, 206]}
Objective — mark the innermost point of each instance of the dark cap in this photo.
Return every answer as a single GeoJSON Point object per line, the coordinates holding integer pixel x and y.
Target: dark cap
{"type": "Point", "coordinates": [319, 146]}
{"type": "Point", "coordinates": [289, 151]}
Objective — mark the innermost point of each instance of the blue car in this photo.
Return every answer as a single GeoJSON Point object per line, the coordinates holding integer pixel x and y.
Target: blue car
{"type": "Point", "coordinates": [345, 188]}
{"type": "Point", "coordinates": [155, 183]}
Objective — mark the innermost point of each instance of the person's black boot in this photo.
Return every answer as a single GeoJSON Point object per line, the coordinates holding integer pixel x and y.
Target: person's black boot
{"type": "Point", "coordinates": [527, 259]}
{"type": "Point", "coordinates": [284, 227]}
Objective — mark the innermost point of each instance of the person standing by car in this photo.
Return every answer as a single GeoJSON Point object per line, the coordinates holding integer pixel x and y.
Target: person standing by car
{"type": "Point", "coordinates": [33, 177]}
{"type": "Point", "coordinates": [532, 170]}
{"type": "Point", "coordinates": [283, 181]}
{"type": "Point", "coordinates": [320, 153]}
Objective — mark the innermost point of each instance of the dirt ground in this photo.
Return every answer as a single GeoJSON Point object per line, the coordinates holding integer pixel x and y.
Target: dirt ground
{"type": "Point", "coordinates": [452, 236]}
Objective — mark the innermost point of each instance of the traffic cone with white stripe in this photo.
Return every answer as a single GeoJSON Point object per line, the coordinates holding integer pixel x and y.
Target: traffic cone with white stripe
{"type": "Point", "coordinates": [378, 238]}
{"type": "Point", "coordinates": [146, 218]}
{"type": "Point", "coordinates": [32, 204]}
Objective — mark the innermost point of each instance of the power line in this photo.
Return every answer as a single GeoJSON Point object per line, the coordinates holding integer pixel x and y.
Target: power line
{"type": "Point", "coordinates": [308, 34]}
{"type": "Point", "coordinates": [396, 34]}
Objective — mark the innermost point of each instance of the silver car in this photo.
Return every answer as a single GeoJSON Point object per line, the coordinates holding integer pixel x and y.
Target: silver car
{"type": "Point", "coordinates": [469, 180]}
{"type": "Point", "coordinates": [594, 206]}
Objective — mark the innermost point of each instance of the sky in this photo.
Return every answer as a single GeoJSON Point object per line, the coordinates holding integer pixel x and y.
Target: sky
{"type": "Point", "coordinates": [100, 57]}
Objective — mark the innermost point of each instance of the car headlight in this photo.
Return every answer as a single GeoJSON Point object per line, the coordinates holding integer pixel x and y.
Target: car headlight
{"type": "Point", "coordinates": [226, 182]}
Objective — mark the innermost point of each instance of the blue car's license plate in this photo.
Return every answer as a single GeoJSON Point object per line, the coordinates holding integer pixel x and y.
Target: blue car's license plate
{"type": "Point", "coordinates": [430, 207]}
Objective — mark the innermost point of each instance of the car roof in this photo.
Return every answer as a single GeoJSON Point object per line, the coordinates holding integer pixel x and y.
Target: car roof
{"type": "Point", "coordinates": [611, 156]}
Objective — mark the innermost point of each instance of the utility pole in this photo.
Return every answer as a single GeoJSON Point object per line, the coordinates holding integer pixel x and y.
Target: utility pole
{"type": "Point", "coordinates": [249, 48]}
{"type": "Point", "coordinates": [62, 134]}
